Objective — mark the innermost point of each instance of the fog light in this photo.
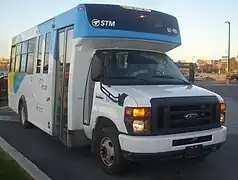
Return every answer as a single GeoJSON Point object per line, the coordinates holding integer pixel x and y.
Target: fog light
{"type": "Point", "coordinates": [138, 126]}
{"type": "Point", "coordinates": [222, 118]}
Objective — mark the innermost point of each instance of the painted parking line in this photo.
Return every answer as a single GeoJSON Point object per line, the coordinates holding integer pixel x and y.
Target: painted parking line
{"type": "Point", "coordinates": [9, 118]}
{"type": "Point", "coordinates": [224, 84]}
{"type": "Point", "coordinates": [4, 107]}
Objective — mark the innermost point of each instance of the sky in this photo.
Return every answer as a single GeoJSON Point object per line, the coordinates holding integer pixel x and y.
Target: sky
{"type": "Point", "coordinates": [204, 33]}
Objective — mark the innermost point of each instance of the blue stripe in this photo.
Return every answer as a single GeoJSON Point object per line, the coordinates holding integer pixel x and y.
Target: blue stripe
{"type": "Point", "coordinates": [19, 77]}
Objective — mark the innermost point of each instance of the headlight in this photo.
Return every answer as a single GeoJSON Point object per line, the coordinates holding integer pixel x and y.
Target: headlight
{"type": "Point", "coordinates": [138, 126]}
{"type": "Point", "coordinates": [141, 126]}
{"type": "Point", "coordinates": [138, 120]}
{"type": "Point", "coordinates": [222, 115]}
{"type": "Point", "coordinates": [222, 118]}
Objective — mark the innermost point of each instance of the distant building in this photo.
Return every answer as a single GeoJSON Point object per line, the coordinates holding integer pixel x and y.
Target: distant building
{"type": "Point", "coordinates": [4, 63]}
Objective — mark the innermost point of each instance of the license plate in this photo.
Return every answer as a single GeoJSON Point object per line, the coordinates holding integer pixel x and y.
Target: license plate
{"type": "Point", "coordinates": [193, 151]}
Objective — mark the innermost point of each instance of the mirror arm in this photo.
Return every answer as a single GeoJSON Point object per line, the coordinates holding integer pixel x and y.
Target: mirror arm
{"type": "Point", "coordinates": [107, 93]}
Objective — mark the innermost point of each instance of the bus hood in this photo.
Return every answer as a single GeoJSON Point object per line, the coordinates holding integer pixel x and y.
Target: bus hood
{"type": "Point", "coordinates": [143, 94]}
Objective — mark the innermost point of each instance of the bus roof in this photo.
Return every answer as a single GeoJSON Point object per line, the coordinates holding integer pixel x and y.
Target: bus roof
{"type": "Point", "coordinates": [111, 21]}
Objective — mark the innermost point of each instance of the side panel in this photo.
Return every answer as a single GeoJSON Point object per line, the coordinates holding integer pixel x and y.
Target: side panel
{"type": "Point", "coordinates": [103, 107]}
{"type": "Point", "coordinates": [43, 79]}
{"type": "Point", "coordinates": [77, 85]}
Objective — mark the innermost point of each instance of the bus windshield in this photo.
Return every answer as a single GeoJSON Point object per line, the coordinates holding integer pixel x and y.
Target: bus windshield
{"type": "Point", "coordinates": [127, 67]}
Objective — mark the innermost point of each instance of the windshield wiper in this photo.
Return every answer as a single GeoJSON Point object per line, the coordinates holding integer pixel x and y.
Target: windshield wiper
{"type": "Point", "coordinates": [172, 77]}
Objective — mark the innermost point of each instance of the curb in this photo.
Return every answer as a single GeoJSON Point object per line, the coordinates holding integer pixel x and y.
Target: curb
{"type": "Point", "coordinates": [27, 165]}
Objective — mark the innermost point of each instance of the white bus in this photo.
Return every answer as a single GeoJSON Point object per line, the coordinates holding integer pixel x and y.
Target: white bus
{"type": "Point", "coordinates": [99, 74]}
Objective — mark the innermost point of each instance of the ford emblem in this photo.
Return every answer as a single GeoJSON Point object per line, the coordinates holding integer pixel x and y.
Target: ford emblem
{"type": "Point", "coordinates": [191, 116]}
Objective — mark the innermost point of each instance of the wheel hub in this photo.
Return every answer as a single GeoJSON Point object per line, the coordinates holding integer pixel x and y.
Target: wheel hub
{"type": "Point", "coordinates": [107, 151]}
{"type": "Point", "coordinates": [23, 117]}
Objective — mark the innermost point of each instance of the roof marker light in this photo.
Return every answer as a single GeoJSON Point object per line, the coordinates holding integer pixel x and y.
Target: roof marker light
{"type": "Point", "coordinates": [135, 8]}
{"type": "Point", "coordinates": [81, 9]}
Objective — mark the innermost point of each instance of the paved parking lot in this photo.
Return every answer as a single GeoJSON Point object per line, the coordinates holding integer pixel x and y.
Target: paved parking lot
{"type": "Point", "coordinates": [61, 163]}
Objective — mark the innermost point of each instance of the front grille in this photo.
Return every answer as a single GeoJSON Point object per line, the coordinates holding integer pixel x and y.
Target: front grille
{"type": "Point", "coordinates": [184, 114]}
{"type": "Point", "coordinates": [177, 115]}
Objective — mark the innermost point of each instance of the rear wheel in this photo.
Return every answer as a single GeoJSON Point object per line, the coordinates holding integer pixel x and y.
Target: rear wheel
{"type": "Point", "coordinates": [24, 116]}
{"type": "Point", "coordinates": [109, 151]}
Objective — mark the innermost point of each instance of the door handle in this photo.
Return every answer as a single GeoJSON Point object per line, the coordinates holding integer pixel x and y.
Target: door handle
{"type": "Point", "coordinates": [99, 96]}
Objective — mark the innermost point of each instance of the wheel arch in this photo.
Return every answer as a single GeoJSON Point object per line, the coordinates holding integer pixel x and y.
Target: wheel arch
{"type": "Point", "coordinates": [101, 122]}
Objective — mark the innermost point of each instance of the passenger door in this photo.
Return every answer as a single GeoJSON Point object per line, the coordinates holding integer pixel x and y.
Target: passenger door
{"type": "Point", "coordinates": [64, 50]}
{"type": "Point", "coordinates": [42, 84]}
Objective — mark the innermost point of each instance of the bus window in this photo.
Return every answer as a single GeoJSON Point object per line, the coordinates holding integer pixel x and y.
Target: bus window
{"type": "Point", "coordinates": [31, 55]}
{"type": "Point", "coordinates": [47, 53]}
{"type": "Point", "coordinates": [39, 54]}
{"type": "Point", "coordinates": [18, 58]}
{"type": "Point", "coordinates": [24, 56]}
{"type": "Point", "coordinates": [69, 45]}
{"type": "Point", "coordinates": [13, 58]}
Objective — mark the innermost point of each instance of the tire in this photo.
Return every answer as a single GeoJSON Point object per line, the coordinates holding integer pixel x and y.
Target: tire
{"type": "Point", "coordinates": [24, 116]}
{"type": "Point", "coordinates": [109, 153]}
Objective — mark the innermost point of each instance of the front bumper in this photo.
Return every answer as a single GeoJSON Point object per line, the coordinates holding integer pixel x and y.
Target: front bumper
{"type": "Point", "coordinates": [165, 143]}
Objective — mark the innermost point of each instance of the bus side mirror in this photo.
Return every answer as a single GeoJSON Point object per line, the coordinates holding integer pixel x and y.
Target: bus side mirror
{"type": "Point", "coordinates": [191, 74]}
{"type": "Point", "coordinates": [191, 79]}
{"type": "Point", "coordinates": [97, 68]}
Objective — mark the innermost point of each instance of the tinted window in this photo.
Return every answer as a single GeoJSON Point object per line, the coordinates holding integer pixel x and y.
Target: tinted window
{"type": "Point", "coordinates": [13, 57]}
{"type": "Point", "coordinates": [24, 47]}
{"type": "Point", "coordinates": [30, 63]}
{"type": "Point", "coordinates": [17, 64]}
{"type": "Point", "coordinates": [69, 45]}
{"type": "Point", "coordinates": [39, 54]}
{"type": "Point", "coordinates": [119, 18]}
{"type": "Point", "coordinates": [23, 63]}
{"type": "Point", "coordinates": [32, 45]}
{"type": "Point", "coordinates": [61, 46]}
{"type": "Point", "coordinates": [47, 52]}
{"type": "Point", "coordinates": [31, 55]}
{"type": "Point", "coordinates": [18, 49]}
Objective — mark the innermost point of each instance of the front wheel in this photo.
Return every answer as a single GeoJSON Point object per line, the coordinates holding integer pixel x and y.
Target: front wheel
{"type": "Point", "coordinates": [109, 151]}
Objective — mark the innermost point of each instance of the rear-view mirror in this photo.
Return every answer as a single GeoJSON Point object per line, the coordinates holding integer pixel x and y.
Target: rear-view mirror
{"type": "Point", "coordinates": [97, 68]}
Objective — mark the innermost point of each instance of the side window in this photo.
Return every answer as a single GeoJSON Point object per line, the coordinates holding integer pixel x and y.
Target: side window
{"type": "Point", "coordinates": [18, 58]}
{"type": "Point", "coordinates": [69, 45]}
{"type": "Point", "coordinates": [39, 54]}
{"type": "Point", "coordinates": [24, 56]}
{"type": "Point", "coordinates": [68, 54]}
{"type": "Point", "coordinates": [12, 59]}
{"type": "Point", "coordinates": [61, 50]}
{"type": "Point", "coordinates": [61, 46]}
{"type": "Point", "coordinates": [31, 55]}
{"type": "Point", "coordinates": [47, 52]}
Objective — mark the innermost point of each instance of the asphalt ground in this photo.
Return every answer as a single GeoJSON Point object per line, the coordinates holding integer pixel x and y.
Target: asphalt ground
{"type": "Point", "coordinates": [60, 163]}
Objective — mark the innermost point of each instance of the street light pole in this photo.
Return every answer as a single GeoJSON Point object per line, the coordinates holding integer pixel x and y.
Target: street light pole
{"type": "Point", "coordinates": [229, 44]}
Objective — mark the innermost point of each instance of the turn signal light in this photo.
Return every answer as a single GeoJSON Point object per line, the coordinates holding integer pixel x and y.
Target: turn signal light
{"type": "Point", "coordinates": [137, 112]}
{"type": "Point", "coordinates": [222, 107]}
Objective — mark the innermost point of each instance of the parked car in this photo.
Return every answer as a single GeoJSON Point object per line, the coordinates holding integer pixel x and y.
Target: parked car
{"type": "Point", "coordinates": [234, 77]}
{"type": "Point", "coordinates": [209, 79]}
{"type": "Point", "coordinates": [4, 87]}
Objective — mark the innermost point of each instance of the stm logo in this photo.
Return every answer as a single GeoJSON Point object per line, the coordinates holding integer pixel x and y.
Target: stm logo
{"type": "Point", "coordinates": [103, 23]}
